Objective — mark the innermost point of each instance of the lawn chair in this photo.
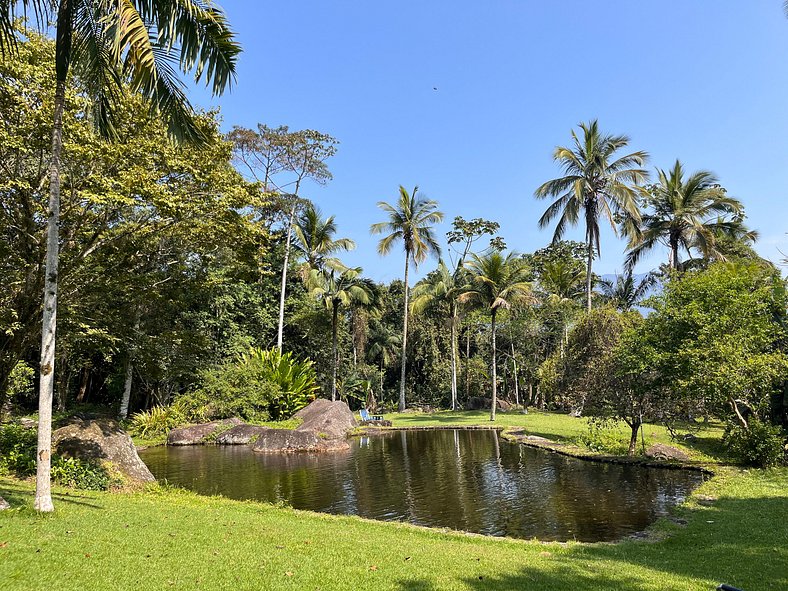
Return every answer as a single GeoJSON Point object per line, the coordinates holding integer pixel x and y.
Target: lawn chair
{"type": "Point", "coordinates": [366, 417]}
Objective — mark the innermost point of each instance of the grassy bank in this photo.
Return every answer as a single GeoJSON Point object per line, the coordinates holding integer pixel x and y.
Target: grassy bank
{"type": "Point", "coordinates": [169, 539]}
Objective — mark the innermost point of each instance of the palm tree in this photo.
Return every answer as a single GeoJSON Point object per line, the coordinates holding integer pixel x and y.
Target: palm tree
{"type": "Point", "coordinates": [410, 220]}
{"type": "Point", "coordinates": [498, 282]}
{"type": "Point", "coordinates": [382, 345]}
{"type": "Point", "coordinates": [597, 183]}
{"type": "Point", "coordinates": [109, 43]}
{"type": "Point", "coordinates": [443, 286]}
{"type": "Point", "coordinates": [563, 281]}
{"type": "Point", "coordinates": [337, 288]}
{"type": "Point", "coordinates": [625, 292]}
{"type": "Point", "coordinates": [686, 213]}
{"type": "Point", "coordinates": [314, 240]}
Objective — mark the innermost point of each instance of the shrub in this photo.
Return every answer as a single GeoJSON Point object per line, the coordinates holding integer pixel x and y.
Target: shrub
{"type": "Point", "coordinates": [760, 445]}
{"type": "Point", "coordinates": [18, 450]}
{"type": "Point", "coordinates": [82, 474]}
{"type": "Point", "coordinates": [20, 381]}
{"type": "Point", "coordinates": [604, 436]}
{"type": "Point", "coordinates": [156, 421]}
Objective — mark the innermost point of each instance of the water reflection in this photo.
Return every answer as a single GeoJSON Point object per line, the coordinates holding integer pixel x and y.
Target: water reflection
{"type": "Point", "coordinates": [466, 480]}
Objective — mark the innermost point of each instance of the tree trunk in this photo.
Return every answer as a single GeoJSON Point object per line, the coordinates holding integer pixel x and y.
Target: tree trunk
{"type": "Point", "coordinates": [633, 440]}
{"type": "Point", "coordinates": [404, 339]}
{"type": "Point", "coordinates": [467, 365]}
{"type": "Point", "coordinates": [283, 291]}
{"type": "Point", "coordinates": [454, 358]}
{"type": "Point", "coordinates": [334, 354]}
{"type": "Point", "coordinates": [588, 273]}
{"type": "Point", "coordinates": [43, 499]}
{"type": "Point", "coordinates": [516, 381]}
{"type": "Point", "coordinates": [124, 405]}
{"type": "Point", "coordinates": [83, 384]}
{"type": "Point", "coordinates": [494, 371]}
{"type": "Point", "coordinates": [674, 252]}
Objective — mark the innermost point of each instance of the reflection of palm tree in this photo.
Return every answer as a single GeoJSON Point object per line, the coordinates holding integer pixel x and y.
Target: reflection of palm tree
{"type": "Point", "coordinates": [314, 240]}
{"type": "Point", "coordinates": [625, 293]}
{"type": "Point", "coordinates": [335, 289]}
{"type": "Point", "coordinates": [498, 282]}
{"type": "Point", "coordinates": [112, 43]}
{"type": "Point", "coordinates": [442, 286]}
{"type": "Point", "coordinates": [410, 220]}
{"type": "Point", "coordinates": [687, 213]}
{"type": "Point", "coordinates": [597, 183]}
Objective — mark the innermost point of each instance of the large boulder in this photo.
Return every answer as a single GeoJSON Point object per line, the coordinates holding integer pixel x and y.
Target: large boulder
{"type": "Point", "coordinates": [102, 440]}
{"type": "Point", "coordinates": [285, 440]}
{"type": "Point", "coordinates": [328, 420]}
{"type": "Point", "coordinates": [481, 403]}
{"type": "Point", "coordinates": [197, 434]}
{"type": "Point", "coordinates": [241, 435]}
{"type": "Point", "coordinates": [660, 451]}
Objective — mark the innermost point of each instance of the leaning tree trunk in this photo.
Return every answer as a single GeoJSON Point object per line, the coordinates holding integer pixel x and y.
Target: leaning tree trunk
{"type": "Point", "coordinates": [494, 371]}
{"type": "Point", "coordinates": [334, 354]}
{"type": "Point", "coordinates": [404, 339]}
{"type": "Point", "coordinates": [283, 290]}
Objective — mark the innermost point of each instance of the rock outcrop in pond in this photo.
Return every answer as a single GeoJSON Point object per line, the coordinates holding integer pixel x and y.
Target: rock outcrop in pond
{"type": "Point", "coordinates": [324, 427]}
{"type": "Point", "coordinates": [198, 434]}
{"type": "Point", "coordinates": [102, 440]}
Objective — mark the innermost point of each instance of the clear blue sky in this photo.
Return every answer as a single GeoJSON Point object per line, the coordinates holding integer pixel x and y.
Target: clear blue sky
{"type": "Point", "coordinates": [702, 80]}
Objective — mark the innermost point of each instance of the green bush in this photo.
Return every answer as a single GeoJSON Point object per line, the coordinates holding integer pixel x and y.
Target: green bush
{"type": "Point", "coordinates": [20, 381]}
{"type": "Point", "coordinates": [18, 450]}
{"type": "Point", "coordinates": [82, 474]}
{"type": "Point", "coordinates": [156, 421]}
{"type": "Point", "coordinates": [604, 436]}
{"type": "Point", "coordinates": [760, 445]}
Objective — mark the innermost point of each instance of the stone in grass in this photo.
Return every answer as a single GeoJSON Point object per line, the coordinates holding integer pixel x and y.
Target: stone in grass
{"type": "Point", "coordinates": [241, 435]}
{"type": "Point", "coordinates": [660, 451]}
{"type": "Point", "coordinates": [102, 440]}
{"type": "Point", "coordinates": [4, 504]}
{"type": "Point", "coordinates": [197, 434]}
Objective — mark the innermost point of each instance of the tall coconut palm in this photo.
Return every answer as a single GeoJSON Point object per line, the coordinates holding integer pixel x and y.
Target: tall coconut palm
{"type": "Point", "coordinates": [497, 282]}
{"type": "Point", "coordinates": [411, 220]}
{"type": "Point", "coordinates": [597, 182]}
{"type": "Point", "coordinates": [626, 292]}
{"type": "Point", "coordinates": [315, 242]}
{"type": "Point", "coordinates": [110, 42]}
{"type": "Point", "coordinates": [338, 288]}
{"type": "Point", "coordinates": [443, 286]}
{"type": "Point", "coordinates": [686, 213]}
{"type": "Point", "coordinates": [382, 346]}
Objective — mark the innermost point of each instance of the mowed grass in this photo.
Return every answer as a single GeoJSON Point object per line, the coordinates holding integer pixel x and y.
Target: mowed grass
{"type": "Point", "coordinates": [170, 539]}
{"type": "Point", "coordinates": [561, 427]}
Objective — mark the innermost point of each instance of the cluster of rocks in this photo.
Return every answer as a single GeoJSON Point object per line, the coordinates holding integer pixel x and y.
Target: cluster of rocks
{"type": "Point", "coordinates": [481, 403]}
{"type": "Point", "coordinates": [324, 427]}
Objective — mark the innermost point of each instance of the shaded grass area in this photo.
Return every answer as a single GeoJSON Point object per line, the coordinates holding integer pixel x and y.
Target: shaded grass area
{"type": "Point", "coordinates": [171, 539]}
{"type": "Point", "coordinates": [564, 428]}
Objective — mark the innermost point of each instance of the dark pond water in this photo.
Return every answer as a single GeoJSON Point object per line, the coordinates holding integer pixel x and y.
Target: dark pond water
{"type": "Point", "coordinates": [466, 480]}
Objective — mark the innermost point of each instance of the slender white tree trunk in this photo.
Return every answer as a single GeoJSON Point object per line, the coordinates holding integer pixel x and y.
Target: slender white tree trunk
{"type": "Point", "coordinates": [454, 361]}
{"type": "Point", "coordinates": [283, 291]}
{"type": "Point", "coordinates": [124, 405]}
{"type": "Point", "coordinates": [404, 339]}
{"type": "Point", "coordinates": [43, 499]}
{"type": "Point", "coordinates": [588, 274]}
{"type": "Point", "coordinates": [334, 351]}
{"type": "Point", "coordinates": [494, 372]}
{"type": "Point", "coordinates": [516, 381]}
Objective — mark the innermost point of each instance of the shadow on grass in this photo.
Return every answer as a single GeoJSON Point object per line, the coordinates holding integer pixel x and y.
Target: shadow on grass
{"type": "Point", "coordinates": [23, 497]}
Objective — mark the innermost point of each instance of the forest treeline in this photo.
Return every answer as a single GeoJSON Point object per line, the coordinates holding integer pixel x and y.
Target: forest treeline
{"type": "Point", "coordinates": [182, 264]}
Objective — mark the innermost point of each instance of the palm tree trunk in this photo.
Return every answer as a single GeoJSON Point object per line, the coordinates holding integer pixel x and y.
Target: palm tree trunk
{"type": "Point", "coordinates": [588, 273]}
{"type": "Point", "coordinates": [516, 380]}
{"type": "Point", "coordinates": [124, 405]}
{"type": "Point", "coordinates": [334, 355]}
{"type": "Point", "coordinates": [494, 371]}
{"type": "Point", "coordinates": [674, 252]}
{"type": "Point", "coordinates": [283, 290]}
{"type": "Point", "coordinates": [404, 338]}
{"type": "Point", "coordinates": [454, 358]}
{"type": "Point", "coordinates": [467, 365]}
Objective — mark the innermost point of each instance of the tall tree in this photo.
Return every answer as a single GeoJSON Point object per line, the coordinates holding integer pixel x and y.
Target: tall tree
{"type": "Point", "coordinates": [443, 287]}
{"type": "Point", "coordinates": [597, 182]}
{"type": "Point", "coordinates": [411, 221]}
{"type": "Point", "coordinates": [336, 288]}
{"type": "Point", "coordinates": [498, 282]}
{"type": "Point", "coordinates": [686, 213]}
{"type": "Point", "coordinates": [315, 242]}
{"type": "Point", "coordinates": [107, 42]}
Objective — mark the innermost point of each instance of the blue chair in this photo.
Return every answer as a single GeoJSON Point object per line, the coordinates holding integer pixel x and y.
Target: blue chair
{"type": "Point", "coordinates": [365, 416]}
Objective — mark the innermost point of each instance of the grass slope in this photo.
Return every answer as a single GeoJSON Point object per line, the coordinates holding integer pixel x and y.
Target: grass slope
{"type": "Point", "coordinates": [170, 539]}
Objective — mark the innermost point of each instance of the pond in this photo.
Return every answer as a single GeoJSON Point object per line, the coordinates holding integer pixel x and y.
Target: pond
{"type": "Point", "coordinates": [458, 479]}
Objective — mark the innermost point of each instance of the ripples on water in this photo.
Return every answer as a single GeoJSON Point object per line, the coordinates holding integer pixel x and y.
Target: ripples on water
{"type": "Point", "coordinates": [467, 480]}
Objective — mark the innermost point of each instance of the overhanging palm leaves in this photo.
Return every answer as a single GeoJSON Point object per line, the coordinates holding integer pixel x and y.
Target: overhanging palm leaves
{"type": "Point", "coordinates": [596, 183]}
{"type": "Point", "coordinates": [686, 213]}
{"type": "Point", "coordinates": [411, 220]}
{"type": "Point", "coordinates": [497, 283]}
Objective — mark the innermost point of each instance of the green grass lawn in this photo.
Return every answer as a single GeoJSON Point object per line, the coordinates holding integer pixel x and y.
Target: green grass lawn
{"type": "Point", "coordinates": [170, 539]}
